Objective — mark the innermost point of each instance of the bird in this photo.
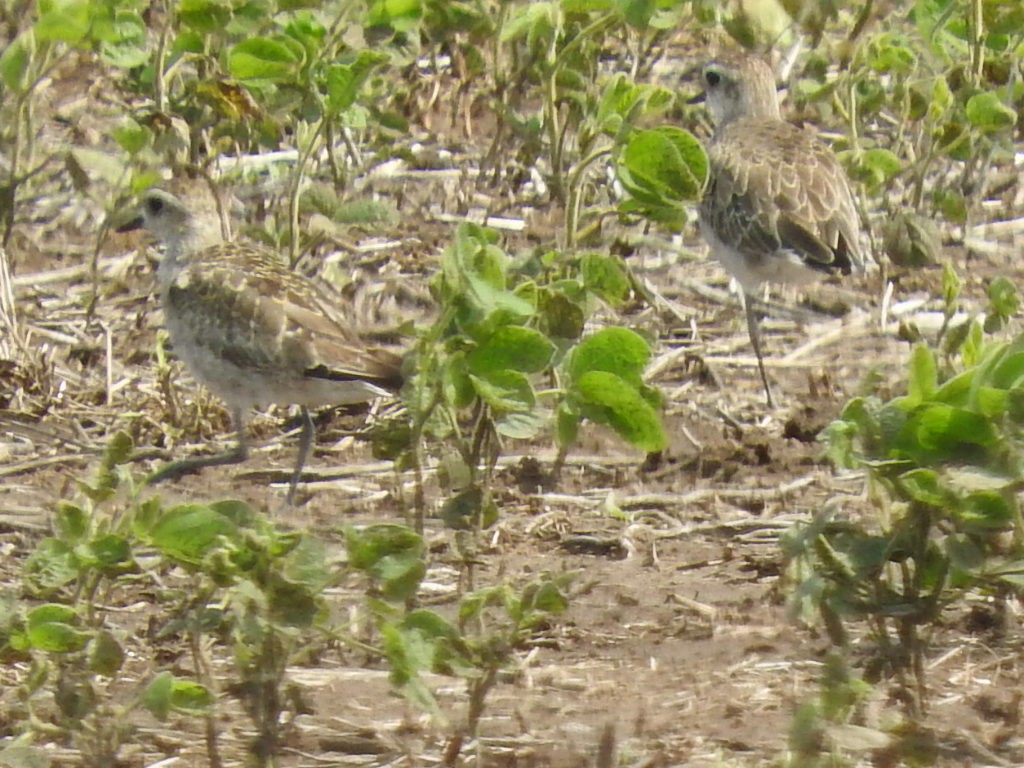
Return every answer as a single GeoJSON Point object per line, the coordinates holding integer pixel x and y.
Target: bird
{"type": "Point", "coordinates": [777, 207]}
{"type": "Point", "coordinates": [253, 331]}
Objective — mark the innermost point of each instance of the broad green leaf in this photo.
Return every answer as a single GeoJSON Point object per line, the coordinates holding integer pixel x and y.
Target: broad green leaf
{"type": "Point", "coordinates": [563, 317]}
{"type": "Point", "coordinates": [463, 511]}
{"type": "Point", "coordinates": [261, 58]}
{"type": "Point", "coordinates": [52, 564]}
{"type": "Point", "coordinates": [15, 62]}
{"type": "Point", "coordinates": [391, 554]}
{"type": "Point", "coordinates": [607, 399]}
{"type": "Point", "coordinates": [521, 426]}
{"type": "Point", "coordinates": [52, 628]}
{"type": "Point", "coordinates": [490, 299]}
{"type": "Point", "coordinates": [547, 598]}
{"type": "Point", "coordinates": [605, 276]}
{"type": "Point", "coordinates": [71, 523]}
{"type": "Point", "coordinates": [511, 347]}
{"type": "Point", "coordinates": [188, 532]}
{"type": "Point", "coordinates": [1002, 296]}
{"type": "Point", "coordinates": [344, 81]}
{"type": "Point", "coordinates": [986, 511]}
{"type": "Point", "coordinates": [505, 391]}
{"type": "Point", "coordinates": [65, 21]}
{"type": "Point", "coordinates": [620, 351]}
{"type": "Point", "coordinates": [105, 655]}
{"type": "Point", "coordinates": [401, 15]}
{"type": "Point", "coordinates": [923, 486]}
{"type": "Point", "coordinates": [879, 166]}
{"type": "Point", "coordinates": [125, 46]}
{"type": "Point", "coordinates": [663, 165]}
{"type": "Point", "coordinates": [205, 16]}
{"type": "Point", "coordinates": [987, 111]}
{"type": "Point", "coordinates": [132, 137]}
{"type": "Point", "coordinates": [947, 429]}
{"type": "Point", "coordinates": [190, 698]}
{"type": "Point", "coordinates": [110, 552]}
{"type": "Point", "coordinates": [157, 696]}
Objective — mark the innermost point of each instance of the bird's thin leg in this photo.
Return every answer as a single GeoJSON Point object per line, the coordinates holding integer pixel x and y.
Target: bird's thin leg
{"type": "Point", "coordinates": [236, 455]}
{"type": "Point", "coordinates": [305, 442]}
{"type": "Point", "coordinates": [755, 342]}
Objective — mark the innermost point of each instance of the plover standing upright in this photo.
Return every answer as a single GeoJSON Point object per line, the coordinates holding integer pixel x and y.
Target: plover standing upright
{"type": "Point", "coordinates": [252, 330]}
{"type": "Point", "coordinates": [778, 206]}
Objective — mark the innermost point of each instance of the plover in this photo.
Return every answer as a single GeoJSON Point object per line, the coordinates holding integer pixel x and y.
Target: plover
{"type": "Point", "coordinates": [252, 330]}
{"type": "Point", "coordinates": [778, 206]}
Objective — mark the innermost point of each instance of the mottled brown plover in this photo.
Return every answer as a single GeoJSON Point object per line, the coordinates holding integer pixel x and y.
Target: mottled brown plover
{"type": "Point", "coordinates": [778, 206]}
{"type": "Point", "coordinates": [252, 330]}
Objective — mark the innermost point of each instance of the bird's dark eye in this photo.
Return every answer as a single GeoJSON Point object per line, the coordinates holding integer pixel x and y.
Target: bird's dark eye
{"type": "Point", "coordinates": [712, 78]}
{"type": "Point", "coordinates": [154, 205]}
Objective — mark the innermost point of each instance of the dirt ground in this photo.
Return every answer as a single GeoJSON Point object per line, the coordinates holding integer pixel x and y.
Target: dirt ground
{"type": "Point", "coordinates": [678, 635]}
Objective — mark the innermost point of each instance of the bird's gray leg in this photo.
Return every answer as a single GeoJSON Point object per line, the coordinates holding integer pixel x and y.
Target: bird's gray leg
{"type": "Point", "coordinates": [755, 342]}
{"type": "Point", "coordinates": [305, 443]}
{"type": "Point", "coordinates": [236, 455]}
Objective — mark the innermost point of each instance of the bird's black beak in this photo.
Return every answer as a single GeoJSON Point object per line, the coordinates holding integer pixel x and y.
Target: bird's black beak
{"type": "Point", "coordinates": [132, 221]}
{"type": "Point", "coordinates": [700, 98]}
{"type": "Point", "coordinates": [130, 225]}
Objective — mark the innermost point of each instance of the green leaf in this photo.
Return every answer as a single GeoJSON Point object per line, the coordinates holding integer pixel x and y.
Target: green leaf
{"type": "Point", "coordinates": [947, 429]}
{"type": "Point", "coordinates": [879, 166]}
{"type": "Point", "coordinates": [15, 62]}
{"type": "Point", "coordinates": [491, 299]}
{"type": "Point", "coordinates": [344, 81]}
{"type": "Point", "coordinates": [1002, 297]}
{"type": "Point", "coordinates": [563, 317]}
{"type": "Point", "coordinates": [923, 486]}
{"type": "Point", "coordinates": [985, 512]}
{"type": "Point", "coordinates": [401, 15]}
{"type": "Point", "coordinates": [262, 58]}
{"type": "Point", "coordinates": [125, 46]}
{"type": "Point", "coordinates": [52, 628]}
{"type": "Point", "coordinates": [664, 164]}
{"type": "Point", "coordinates": [511, 348]}
{"type": "Point", "coordinates": [190, 698]}
{"type": "Point", "coordinates": [188, 532]}
{"type": "Point", "coordinates": [157, 696]}
{"type": "Point", "coordinates": [462, 511]}
{"type": "Point", "coordinates": [105, 655]}
{"type": "Point", "coordinates": [520, 426]}
{"type": "Point", "coordinates": [988, 112]}
{"type": "Point", "coordinates": [605, 276]}
{"type": "Point", "coordinates": [52, 564]}
{"type": "Point", "coordinates": [567, 425]}
{"type": "Point", "coordinates": [65, 21]}
{"type": "Point", "coordinates": [206, 16]}
{"type": "Point", "coordinates": [132, 137]}
{"type": "Point", "coordinates": [923, 379]}
{"type": "Point", "coordinates": [390, 554]}
{"type": "Point", "coordinates": [110, 553]}
{"type": "Point", "coordinates": [505, 391]}
{"type": "Point", "coordinates": [607, 399]}
{"type": "Point", "coordinates": [620, 351]}
{"type": "Point", "coordinates": [71, 523]}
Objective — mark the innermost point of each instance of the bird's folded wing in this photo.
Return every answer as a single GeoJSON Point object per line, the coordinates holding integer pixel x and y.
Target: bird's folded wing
{"type": "Point", "coordinates": [786, 192]}
{"type": "Point", "coordinates": [263, 316]}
